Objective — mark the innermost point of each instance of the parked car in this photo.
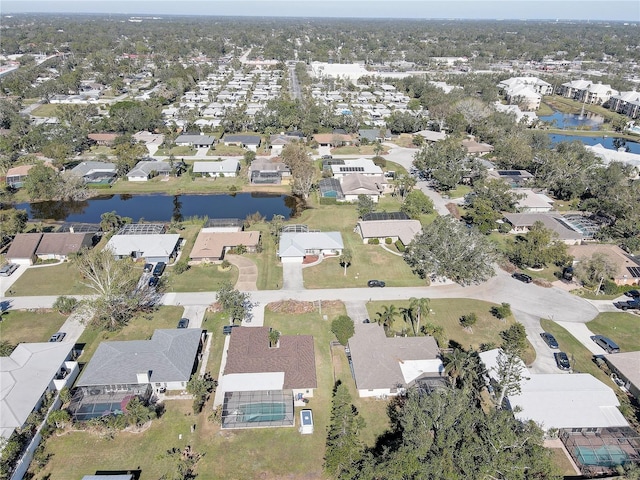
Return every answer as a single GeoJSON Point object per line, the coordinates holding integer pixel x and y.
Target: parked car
{"type": "Point", "coordinates": [549, 340]}
{"type": "Point", "coordinates": [226, 329]}
{"type": "Point", "coordinates": [633, 293]}
{"type": "Point", "coordinates": [376, 283]}
{"type": "Point", "coordinates": [606, 343]}
{"type": "Point", "coordinates": [57, 337]}
{"type": "Point", "coordinates": [633, 304]}
{"type": "Point", "coordinates": [8, 269]}
{"type": "Point", "coordinates": [523, 277]}
{"type": "Point", "coordinates": [159, 269]}
{"type": "Point", "coordinates": [183, 323]}
{"type": "Point", "coordinates": [153, 281]}
{"type": "Point", "coordinates": [148, 268]}
{"type": "Point", "coordinates": [562, 360]}
{"type": "Point", "coordinates": [327, 157]}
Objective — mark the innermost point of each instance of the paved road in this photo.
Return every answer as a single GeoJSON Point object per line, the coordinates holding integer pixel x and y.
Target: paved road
{"type": "Point", "coordinates": [296, 93]}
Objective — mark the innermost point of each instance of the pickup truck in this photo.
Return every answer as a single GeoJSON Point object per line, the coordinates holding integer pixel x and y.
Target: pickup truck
{"type": "Point", "coordinates": [628, 305]}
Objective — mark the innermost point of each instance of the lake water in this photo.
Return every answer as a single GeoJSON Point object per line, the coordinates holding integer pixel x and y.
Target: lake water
{"type": "Point", "coordinates": [163, 208]}
{"type": "Point", "coordinates": [607, 142]}
{"type": "Point", "coordinates": [572, 121]}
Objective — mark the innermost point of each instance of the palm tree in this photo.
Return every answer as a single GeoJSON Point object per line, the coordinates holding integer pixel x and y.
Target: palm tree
{"type": "Point", "coordinates": [421, 307]}
{"type": "Point", "coordinates": [409, 316]}
{"type": "Point", "coordinates": [345, 259]}
{"type": "Point", "coordinates": [455, 363]}
{"type": "Point", "coordinates": [387, 316]}
{"type": "Point", "coordinates": [378, 149]}
{"type": "Point", "coordinates": [274, 337]}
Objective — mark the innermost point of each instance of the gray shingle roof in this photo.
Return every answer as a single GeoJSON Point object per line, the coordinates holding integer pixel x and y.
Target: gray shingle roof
{"type": "Point", "coordinates": [169, 356]}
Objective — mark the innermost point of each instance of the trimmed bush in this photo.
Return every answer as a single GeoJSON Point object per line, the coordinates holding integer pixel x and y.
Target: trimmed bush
{"type": "Point", "coordinates": [400, 246]}
{"type": "Point", "coordinates": [388, 241]}
{"type": "Point", "coordinates": [380, 161]}
{"type": "Point", "coordinates": [373, 241]}
{"type": "Point", "coordinates": [343, 328]}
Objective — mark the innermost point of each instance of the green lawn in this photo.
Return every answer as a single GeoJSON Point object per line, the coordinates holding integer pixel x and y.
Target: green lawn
{"type": "Point", "coordinates": [447, 313]}
{"type": "Point", "coordinates": [361, 150]}
{"type": "Point", "coordinates": [269, 267]}
{"type": "Point", "coordinates": [46, 110]}
{"type": "Point", "coordinates": [62, 279]}
{"type": "Point", "coordinates": [200, 278]}
{"type": "Point", "coordinates": [622, 328]}
{"type": "Point", "coordinates": [183, 151]}
{"type": "Point", "coordinates": [222, 150]}
{"type": "Point", "coordinates": [179, 185]}
{"type": "Point", "coordinates": [459, 192]}
{"type": "Point", "coordinates": [21, 326]}
{"type": "Point", "coordinates": [581, 359]}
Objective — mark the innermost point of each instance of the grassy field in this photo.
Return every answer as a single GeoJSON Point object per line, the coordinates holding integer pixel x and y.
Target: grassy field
{"type": "Point", "coordinates": [622, 328]}
{"type": "Point", "coordinates": [46, 110]}
{"type": "Point", "coordinates": [62, 279]}
{"type": "Point", "coordinates": [200, 278]}
{"type": "Point", "coordinates": [355, 150]}
{"type": "Point", "coordinates": [20, 326]}
{"type": "Point", "coordinates": [581, 359]}
{"type": "Point", "coordinates": [269, 267]}
{"type": "Point", "coordinates": [183, 151]}
{"type": "Point", "coordinates": [222, 150]}
{"type": "Point", "coordinates": [178, 185]}
{"type": "Point", "coordinates": [447, 313]}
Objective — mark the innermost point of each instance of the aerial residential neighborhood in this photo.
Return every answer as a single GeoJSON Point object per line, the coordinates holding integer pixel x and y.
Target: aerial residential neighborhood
{"type": "Point", "coordinates": [279, 245]}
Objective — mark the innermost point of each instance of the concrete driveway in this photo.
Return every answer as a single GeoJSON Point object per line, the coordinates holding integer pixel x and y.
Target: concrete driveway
{"type": "Point", "coordinates": [292, 276]}
{"type": "Point", "coordinates": [7, 282]}
{"type": "Point", "coordinates": [195, 314]}
{"type": "Point", "coordinates": [247, 272]}
{"type": "Point", "coordinates": [583, 335]}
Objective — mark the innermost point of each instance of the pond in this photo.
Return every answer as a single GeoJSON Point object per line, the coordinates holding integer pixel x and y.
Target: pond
{"type": "Point", "coordinates": [163, 208]}
{"type": "Point", "coordinates": [572, 121]}
{"type": "Point", "coordinates": [607, 142]}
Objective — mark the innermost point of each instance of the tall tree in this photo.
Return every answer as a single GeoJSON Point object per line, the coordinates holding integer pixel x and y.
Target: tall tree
{"type": "Point", "coordinates": [345, 259]}
{"type": "Point", "coordinates": [344, 447]}
{"type": "Point", "coordinates": [446, 248]}
{"type": "Point", "coordinates": [365, 205]}
{"type": "Point", "coordinates": [443, 162]}
{"type": "Point", "coordinates": [595, 270]}
{"type": "Point", "coordinates": [538, 248]}
{"type": "Point", "coordinates": [303, 172]}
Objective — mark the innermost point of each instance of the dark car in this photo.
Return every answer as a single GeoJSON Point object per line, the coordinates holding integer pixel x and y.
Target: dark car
{"type": "Point", "coordinates": [153, 281]}
{"type": "Point", "coordinates": [523, 277]}
{"type": "Point", "coordinates": [148, 267]}
{"type": "Point", "coordinates": [606, 343]}
{"type": "Point", "coordinates": [183, 323]}
{"type": "Point", "coordinates": [562, 360]}
{"type": "Point", "coordinates": [633, 293]}
{"type": "Point", "coordinates": [8, 269]}
{"type": "Point", "coordinates": [327, 157]}
{"type": "Point", "coordinates": [159, 269]}
{"type": "Point", "coordinates": [57, 337]}
{"type": "Point", "coordinates": [549, 340]}
{"type": "Point", "coordinates": [226, 329]}
{"type": "Point", "coordinates": [376, 283]}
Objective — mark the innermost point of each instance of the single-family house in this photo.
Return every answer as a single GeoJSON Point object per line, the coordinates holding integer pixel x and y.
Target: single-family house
{"type": "Point", "coordinates": [58, 246]}
{"type": "Point", "coordinates": [250, 142]}
{"type": "Point", "coordinates": [96, 172]}
{"type": "Point", "coordinates": [119, 370]}
{"type": "Point", "coordinates": [264, 171]}
{"type": "Point", "coordinates": [374, 135]}
{"type": "Point", "coordinates": [153, 248]}
{"type": "Point", "coordinates": [17, 175]}
{"type": "Point", "coordinates": [357, 184]}
{"type": "Point", "coordinates": [532, 202]}
{"type": "Point", "coordinates": [196, 141]}
{"type": "Point", "coordinates": [212, 246]}
{"type": "Point", "coordinates": [626, 365]}
{"type": "Point", "coordinates": [31, 371]}
{"type": "Point", "coordinates": [363, 166]}
{"type": "Point", "coordinates": [105, 139]}
{"type": "Point", "coordinates": [403, 230]}
{"type": "Point", "coordinates": [280, 140]}
{"type": "Point", "coordinates": [333, 139]}
{"type": "Point", "coordinates": [522, 222]}
{"type": "Point", "coordinates": [558, 400]}
{"type": "Point", "coordinates": [144, 170]}
{"type": "Point", "coordinates": [262, 381]}
{"type": "Point", "coordinates": [476, 148]}
{"type": "Point", "coordinates": [295, 246]}
{"type": "Point", "coordinates": [388, 366]}
{"type": "Point", "coordinates": [627, 267]}
{"type": "Point", "coordinates": [23, 248]}
{"type": "Point", "coordinates": [224, 168]}
{"type": "Point", "coordinates": [515, 178]}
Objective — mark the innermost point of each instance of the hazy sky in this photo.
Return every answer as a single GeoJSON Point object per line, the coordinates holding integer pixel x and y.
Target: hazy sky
{"type": "Point", "coordinates": [622, 10]}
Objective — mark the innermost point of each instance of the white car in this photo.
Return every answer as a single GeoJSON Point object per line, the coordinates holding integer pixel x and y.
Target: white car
{"type": "Point", "coordinates": [8, 269]}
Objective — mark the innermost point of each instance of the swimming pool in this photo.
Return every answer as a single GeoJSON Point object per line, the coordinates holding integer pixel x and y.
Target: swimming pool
{"type": "Point", "coordinates": [604, 456]}
{"type": "Point", "coordinates": [262, 412]}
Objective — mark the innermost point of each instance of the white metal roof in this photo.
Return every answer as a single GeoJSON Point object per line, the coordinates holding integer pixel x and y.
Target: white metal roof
{"type": "Point", "coordinates": [249, 382]}
{"type": "Point", "coordinates": [159, 245]}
